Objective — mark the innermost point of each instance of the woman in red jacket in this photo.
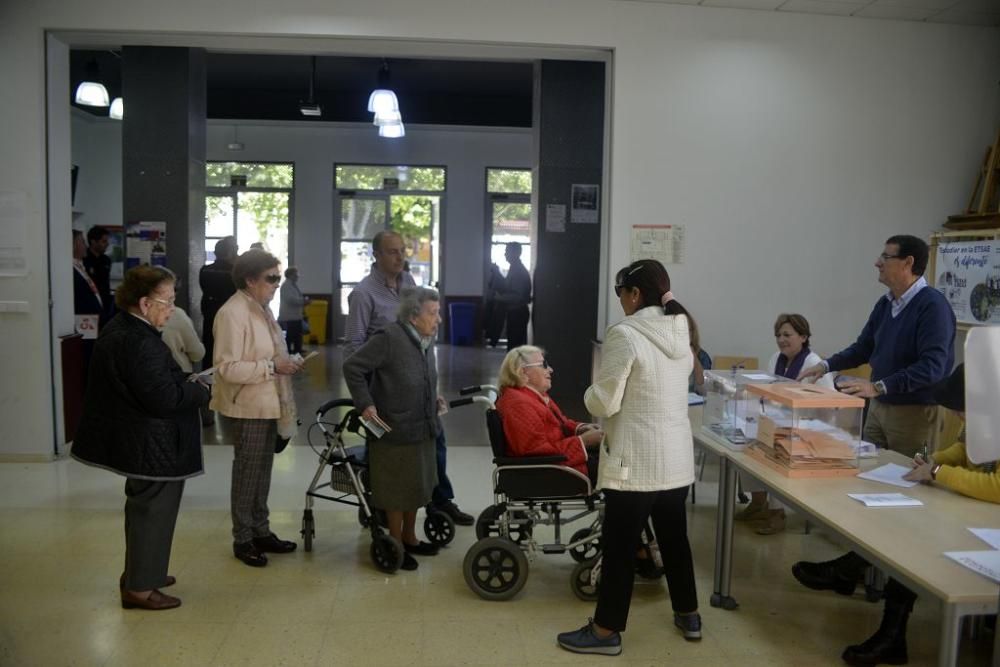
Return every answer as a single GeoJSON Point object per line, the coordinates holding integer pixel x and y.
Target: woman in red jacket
{"type": "Point", "coordinates": [532, 422]}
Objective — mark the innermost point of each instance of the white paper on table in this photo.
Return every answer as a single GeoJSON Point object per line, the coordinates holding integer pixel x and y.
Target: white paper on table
{"type": "Point", "coordinates": [989, 535]}
{"type": "Point", "coordinates": [758, 377]}
{"type": "Point", "coordinates": [986, 563]}
{"type": "Point", "coordinates": [890, 473]}
{"type": "Point", "coordinates": [885, 499]}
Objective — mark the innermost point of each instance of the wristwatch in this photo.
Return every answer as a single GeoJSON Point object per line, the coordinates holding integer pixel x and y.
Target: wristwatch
{"type": "Point", "coordinates": [934, 471]}
{"type": "Point", "coordinates": [270, 367]}
{"type": "Point", "coordinates": [880, 388]}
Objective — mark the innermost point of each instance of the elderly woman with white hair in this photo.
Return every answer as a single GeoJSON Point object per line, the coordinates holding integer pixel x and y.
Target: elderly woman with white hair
{"type": "Point", "coordinates": [393, 377]}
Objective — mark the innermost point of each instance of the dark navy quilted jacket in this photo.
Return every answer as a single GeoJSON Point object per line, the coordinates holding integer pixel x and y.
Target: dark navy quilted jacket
{"type": "Point", "coordinates": [140, 414]}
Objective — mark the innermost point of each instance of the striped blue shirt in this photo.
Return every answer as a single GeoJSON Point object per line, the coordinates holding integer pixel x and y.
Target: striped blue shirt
{"type": "Point", "coordinates": [372, 305]}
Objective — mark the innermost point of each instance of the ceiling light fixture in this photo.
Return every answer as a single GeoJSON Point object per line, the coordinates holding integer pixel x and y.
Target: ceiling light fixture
{"type": "Point", "coordinates": [91, 92]}
{"type": "Point", "coordinates": [393, 131]}
{"type": "Point", "coordinates": [235, 144]}
{"type": "Point", "coordinates": [384, 104]}
{"type": "Point", "coordinates": [310, 107]}
{"type": "Point", "coordinates": [117, 109]}
{"type": "Point", "coordinates": [387, 118]}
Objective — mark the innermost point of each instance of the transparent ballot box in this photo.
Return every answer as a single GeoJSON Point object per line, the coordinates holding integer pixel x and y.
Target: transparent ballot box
{"type": "Point", "coordinates": [807, 431]}
{"type": "Point", "coordinates": [731, 413]}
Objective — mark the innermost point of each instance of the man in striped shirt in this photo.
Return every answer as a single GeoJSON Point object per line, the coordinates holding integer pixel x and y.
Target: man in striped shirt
{"type": "Point", "coordinates": [372, 304]}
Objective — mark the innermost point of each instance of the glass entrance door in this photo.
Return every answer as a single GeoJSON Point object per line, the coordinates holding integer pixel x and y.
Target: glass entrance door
{"type": "Point", "coordinates": [362, 216]}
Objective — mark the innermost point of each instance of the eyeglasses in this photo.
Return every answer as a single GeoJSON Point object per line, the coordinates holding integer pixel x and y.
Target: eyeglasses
{"type": "Point", "coordinates": [168, 304]}
{"type": "Point", "coordinates": [621, 286]}
{"type": "Point", "coordinates": [544, 363]}
{"type": "Point", "coordinates": [273, 278]}
{"type": "Point", "coordinates": [884, 257]}
{"type": "Point", "coordinates": [618, 289]}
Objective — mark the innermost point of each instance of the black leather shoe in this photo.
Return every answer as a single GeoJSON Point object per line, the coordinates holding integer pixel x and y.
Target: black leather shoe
{"type": "Point", "coordinates": [840, 575]}
{"type": "Point", "coordinates": [248, 553]}
{"type": "Point", "coordinates": [421, 549]}
{"type": "Point", "coordinates": [271, 544]}
{"type": "Point", "coordinates": [409, 562]}
{"type": "Point", "coordinates": [458, 516]}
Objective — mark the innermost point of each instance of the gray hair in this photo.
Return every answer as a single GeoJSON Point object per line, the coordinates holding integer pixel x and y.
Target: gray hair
{"type": "Point", "coordinates": [412, 300]}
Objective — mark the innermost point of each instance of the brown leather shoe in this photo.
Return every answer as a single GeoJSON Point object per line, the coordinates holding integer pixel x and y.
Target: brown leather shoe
{"type": "Point", "coordinates": [771, 524]}
{"type": "Point", "coordinates": [155, 602]}
{"type": "Point", "coordinates": [169, 581]}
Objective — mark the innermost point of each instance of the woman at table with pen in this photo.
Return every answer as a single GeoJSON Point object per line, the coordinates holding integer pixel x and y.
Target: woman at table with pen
{"type": "Point", "coordinates": [949, 468]}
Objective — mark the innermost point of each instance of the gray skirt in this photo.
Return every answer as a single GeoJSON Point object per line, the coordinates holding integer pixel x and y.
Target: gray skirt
{"type": "Point", "coordinates": [403, 476]}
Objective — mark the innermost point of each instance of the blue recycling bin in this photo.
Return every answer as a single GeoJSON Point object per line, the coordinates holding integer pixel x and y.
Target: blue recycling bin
{"type": "Point", "coordinates": [462, 323]}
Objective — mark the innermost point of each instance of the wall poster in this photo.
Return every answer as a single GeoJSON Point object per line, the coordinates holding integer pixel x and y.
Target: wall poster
{"type": "Point", "coordinates": [145, 243]}
{"type": "Point", "coordinates": [664, 243]}
{"type": "Point", "coordinates": [968, 275]}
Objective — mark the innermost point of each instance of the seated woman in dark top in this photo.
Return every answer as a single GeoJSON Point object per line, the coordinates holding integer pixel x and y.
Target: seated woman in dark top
{"type": "Point", "coordinates": [532, 422]}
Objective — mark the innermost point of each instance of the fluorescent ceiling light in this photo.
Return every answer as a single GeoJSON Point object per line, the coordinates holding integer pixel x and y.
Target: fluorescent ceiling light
{"type": "Point", "coordinates": [310, 107]}
{"type": "Point", "coordinates": [394, 131]}
{"type": "Point", "coordinates": [307, 109]}
{"type": "Point", "coordinates": [382, 100]}
{"type": "Point", "coordinates": [92, 94]}
{"type": "Point", "coordinates": [117, 110]}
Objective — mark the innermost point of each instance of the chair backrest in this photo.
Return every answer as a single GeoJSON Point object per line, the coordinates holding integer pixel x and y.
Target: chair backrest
{"type": "Point", "coordinates": [498, 441]}
{"type": "Point", "coordinates": [864, 371]}
{"type": "Point", "coordinates": [724, 363]}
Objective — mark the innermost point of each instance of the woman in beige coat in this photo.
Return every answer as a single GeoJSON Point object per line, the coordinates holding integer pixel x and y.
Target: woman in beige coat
{"type": "Point", "coordinates": [253, 388]}
{"type": "Point", "coordinates": [647, 457]}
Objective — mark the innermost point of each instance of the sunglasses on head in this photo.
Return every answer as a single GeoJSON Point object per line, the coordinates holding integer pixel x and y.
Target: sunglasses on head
{"type": "Point", "coordinates": [621, 286]}
{"type": "Point", "coordinates": [273, 278]}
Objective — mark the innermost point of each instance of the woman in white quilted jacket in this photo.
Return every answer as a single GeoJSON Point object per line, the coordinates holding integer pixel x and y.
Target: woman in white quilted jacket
{"type": "Point", "coordinates": [647, 457]}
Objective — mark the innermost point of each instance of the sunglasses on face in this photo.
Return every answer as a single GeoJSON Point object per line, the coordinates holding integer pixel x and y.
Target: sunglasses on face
{"type": "Point", "coordinates": [544, 363]}
{"type": "Point", "coordinates": [273, 278]}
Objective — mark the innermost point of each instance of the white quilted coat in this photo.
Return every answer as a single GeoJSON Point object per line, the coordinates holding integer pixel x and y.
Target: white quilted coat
{"type": "Point", "coordinates": [641, 392]}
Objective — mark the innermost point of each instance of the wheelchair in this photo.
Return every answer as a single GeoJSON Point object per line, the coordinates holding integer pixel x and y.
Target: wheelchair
{"type": "Point", "coordinates": [530, 491]}
{"type": "Point", "coordinates": [349, 480]}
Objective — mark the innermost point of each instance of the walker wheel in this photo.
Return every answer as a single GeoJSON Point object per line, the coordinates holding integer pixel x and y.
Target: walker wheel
{"type": "Point", "coordinates": [495, 568]}
{"type": "Point", "coordinates": [308, 529]}
{"type": "Point", "coordinates": [439, 528]}
{"type": "Point", "coordinates": [586, 579]}
{"type": "Point", "coordinates": [587, 551]}
{"type": "Point", "coordinates": [386, 553]}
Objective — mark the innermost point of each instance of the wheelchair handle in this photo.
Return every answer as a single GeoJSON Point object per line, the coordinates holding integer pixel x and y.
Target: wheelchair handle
{"type": "Point", "coordinates": [465, 391]}
{"type": "Point", "coordinates": [335, 403]}
{"type": "Point", "coordinates": [461, 401]}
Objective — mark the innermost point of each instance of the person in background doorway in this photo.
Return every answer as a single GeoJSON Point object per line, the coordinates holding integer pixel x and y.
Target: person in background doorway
{"type": "Point", "coordinates": [140, 420]}
{"type": "Point", "coordinates": [372, 306]}
{"type": "Point", "coordinates": [216, 281]}
{"type": "Point", "coordinates": [515, 295]}
{"type": "Point", "coordinates": [291, 310]}
{"type": "Point", "coordinates": [86, 297]}
{"type": "Point", "coordinates": [495, 313]}
{"type": "Point", "coordinates": [98, 266]}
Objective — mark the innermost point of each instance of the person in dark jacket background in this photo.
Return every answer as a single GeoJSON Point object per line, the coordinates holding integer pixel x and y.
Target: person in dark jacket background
{"type": "Point", "coordinates": [140, 420]}
{"type": "Point", "coordinates": [216, 281]}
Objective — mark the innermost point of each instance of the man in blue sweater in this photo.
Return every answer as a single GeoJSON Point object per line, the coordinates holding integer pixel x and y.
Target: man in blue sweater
{"type": "Point", "coordinates": [909, 340]}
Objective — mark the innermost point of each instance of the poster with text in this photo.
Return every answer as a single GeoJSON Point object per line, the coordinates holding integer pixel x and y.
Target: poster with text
{"type": "Point", "coordinates": [584, 203]}
{"type": "Point", "coordinates": [968, 275]}
{"type": "Point", "coordinates": [664, 243]}
{"type": "Point", "coordinates": [145, 243]}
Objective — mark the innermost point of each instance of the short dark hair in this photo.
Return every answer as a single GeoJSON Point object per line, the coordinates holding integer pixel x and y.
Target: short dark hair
{"type": "Point", "coordinates": [377, 241]}
{"type": "Point", "coordinates": [96, 233]}
{"type": "Point", "coordinates": [911, 246]}
{"type": "Point", "coordinates": [798, 323]}
{"type": "Point", "coordinates": [222, 245]}
{"type": "Point", "coordinates": [139, 282]}
{"type": "Point", "coordinates": [514, 247]}
{"type": "Point", "coordinates": [291, 271]}
{"type": "Point", "coordinates": [252, 264]}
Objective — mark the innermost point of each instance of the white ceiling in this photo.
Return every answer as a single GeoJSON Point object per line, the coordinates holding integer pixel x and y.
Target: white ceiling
{"type": "Point", "coordinates": [964, 12]}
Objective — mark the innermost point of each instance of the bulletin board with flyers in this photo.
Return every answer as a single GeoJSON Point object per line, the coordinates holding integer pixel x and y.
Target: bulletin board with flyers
{"type": "Point", "coordinates": [965, 267]}
{"type": "Point", "coordinates": [145, 243]}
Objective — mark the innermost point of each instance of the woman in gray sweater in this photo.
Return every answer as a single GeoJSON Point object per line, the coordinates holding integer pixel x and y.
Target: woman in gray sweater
{"type": "Point", "coordinates": [393, 376]}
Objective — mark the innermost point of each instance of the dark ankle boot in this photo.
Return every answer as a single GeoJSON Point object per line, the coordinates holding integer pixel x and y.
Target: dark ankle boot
{"type": "Point", "coordinates": [888, 645]}
{"type": "Point", "coordinates": [840, 574]}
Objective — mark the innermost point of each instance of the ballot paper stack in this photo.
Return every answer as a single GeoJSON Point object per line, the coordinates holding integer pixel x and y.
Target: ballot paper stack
{"type": "Point", "coordinates": [807, 431]}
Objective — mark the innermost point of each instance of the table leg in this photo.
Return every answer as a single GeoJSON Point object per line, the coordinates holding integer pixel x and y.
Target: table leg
{"type": "Point", "coordinates": [724, 537]}
{"type": "Point", "coordinates": [951, 625]}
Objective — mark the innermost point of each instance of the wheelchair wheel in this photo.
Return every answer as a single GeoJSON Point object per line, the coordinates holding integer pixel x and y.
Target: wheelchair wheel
{"type": "Point", "coordinates": [586, 579]}
{"type": "Point", "coordinates": [386, 552]}
{"type": "Point", "coordinates": [487, 525]}
{"type": "Point", "coordinates": [439, 528]}
{"type": "Point", "coordinates": [495, 568]}
{"type": "Point", "coordinates": [308, 529]}
{"type": "Point", "coordinates": [587, 551]}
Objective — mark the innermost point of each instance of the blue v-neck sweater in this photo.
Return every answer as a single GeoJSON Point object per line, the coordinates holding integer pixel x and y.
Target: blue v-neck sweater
{"type": "Point", "coordinates": [909, 352]}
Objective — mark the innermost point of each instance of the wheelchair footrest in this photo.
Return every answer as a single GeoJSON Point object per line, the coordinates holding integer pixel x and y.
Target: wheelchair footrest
{"type": "Point", "coordinates": [553, 549]}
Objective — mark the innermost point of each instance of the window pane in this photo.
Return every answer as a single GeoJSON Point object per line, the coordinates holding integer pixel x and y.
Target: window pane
{"type": "Point", "coordinates": [361, 218]}
{"type": "Point", "coordinates": [218, 216]}
{"type": "Point", "coordinates": [508, 180]}
{"type": "Point", "coordinates": [512, 219]}
{"type": "Point", "coordinates": [355, 261]}
{"type": "Point", "coordinates": [372, 177]}
{"type": "Point", "coordinates": [258, 175]}
{"type": "Point", "coordinates": [210, 250]}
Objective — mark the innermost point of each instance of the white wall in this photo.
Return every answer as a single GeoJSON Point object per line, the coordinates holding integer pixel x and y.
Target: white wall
{"type": "Point", "coordinates": [97, 151]}
{"type": "Point", "coordinates": [791, 145]}
{"type": "Point", "coordinates": [314, 148]}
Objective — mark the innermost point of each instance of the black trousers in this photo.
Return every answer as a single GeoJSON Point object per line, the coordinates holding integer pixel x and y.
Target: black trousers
{"type": "Point", "coordinates": [625, 514]}
{"type": "Point", "coordinates": [517, 326]}
{"type": "Point", "coordinates": [150, 517]}
{"type": "Point", "coordinates": [293, 335]}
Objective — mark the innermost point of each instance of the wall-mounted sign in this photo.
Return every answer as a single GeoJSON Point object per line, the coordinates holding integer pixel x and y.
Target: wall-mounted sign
{"type": "Point", "coordinates": [967, 273]}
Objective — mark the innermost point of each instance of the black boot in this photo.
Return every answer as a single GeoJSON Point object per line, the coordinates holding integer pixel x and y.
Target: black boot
{"type": "Point", "coordinates": [840, 574]}
{"type": "Point", "coordinates": [888, 645]}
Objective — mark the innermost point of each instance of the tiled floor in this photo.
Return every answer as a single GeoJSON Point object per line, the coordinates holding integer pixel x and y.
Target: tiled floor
{"type": "Point", "coordinates": [62, 534]}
